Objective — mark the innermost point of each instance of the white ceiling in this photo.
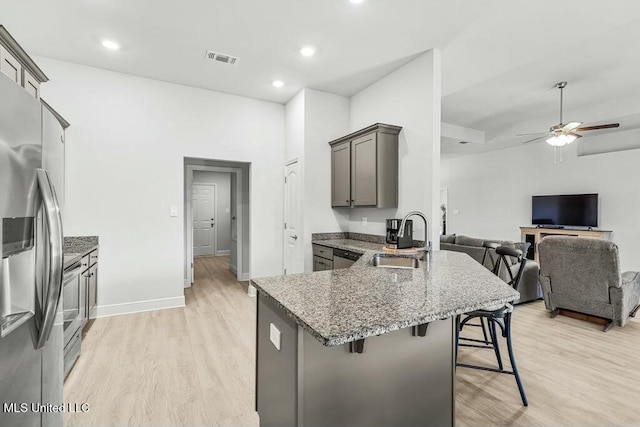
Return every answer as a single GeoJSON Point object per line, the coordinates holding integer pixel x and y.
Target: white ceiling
{"type": "Point", "coordinates": [500, 57]}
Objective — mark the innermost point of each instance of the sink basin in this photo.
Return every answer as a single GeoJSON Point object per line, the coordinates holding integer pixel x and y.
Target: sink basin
{"type": "Point", "coordinates": [394, 261]}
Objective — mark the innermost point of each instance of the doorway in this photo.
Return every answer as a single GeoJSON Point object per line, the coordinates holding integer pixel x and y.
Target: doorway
{"type": "Point", "coordinates": [293, 261]}
{"type": "Point", "coordinates": [216, 214]}
{"type": "Point", "coordinates": [203, 208]}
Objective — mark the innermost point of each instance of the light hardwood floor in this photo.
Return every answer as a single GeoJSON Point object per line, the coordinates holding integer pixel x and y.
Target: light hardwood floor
{"type": "Point", "coordinates": [194, 366]}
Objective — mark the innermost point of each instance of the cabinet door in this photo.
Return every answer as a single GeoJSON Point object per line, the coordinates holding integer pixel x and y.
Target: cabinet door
{"type": "Point", "coordinates": [93, 290]}
{"type": "Point", "coordinates": [31, 85]}
{"type": "Point", "coordinates": [84, 296]}
{"type": "Point", "coordinates": [363, 171]}
{"type": "Point", "coordinates": [341, 175]}
{"type": "Point", "coordinates": [53, 153]}
{"type": "Point", "coordinates": [10, 66]}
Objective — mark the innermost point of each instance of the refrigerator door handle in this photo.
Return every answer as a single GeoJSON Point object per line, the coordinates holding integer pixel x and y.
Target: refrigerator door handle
{"type": "Point", "coordinates": [54, 225]}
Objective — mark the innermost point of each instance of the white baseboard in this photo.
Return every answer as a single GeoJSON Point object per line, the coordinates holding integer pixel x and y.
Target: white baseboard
{"type": "Point", "coordinates": [233, 269]}
{"type": "Point", "coordinates": [139, 306]}
{"type": "Point", "coordinates": [244, 277]}
{"type": "Point", "coordinates": [223, 252]}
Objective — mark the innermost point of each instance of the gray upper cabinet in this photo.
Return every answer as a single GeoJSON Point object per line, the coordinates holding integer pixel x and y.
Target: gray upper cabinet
{"type": "Point", "coordinates": [363, 171]}
{"type": "Point", "coordinates": [341, 174]}
{"type": "Point", "coordinates": [16, 64]}
{"type": "Point", "coordinates": [364, 168]}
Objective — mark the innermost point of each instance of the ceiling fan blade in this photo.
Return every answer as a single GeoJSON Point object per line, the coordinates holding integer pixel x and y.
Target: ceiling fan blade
{"type": "Point", "coordinates": [532, 134]}
{"type": "Point", "coordinates": [535, 139]}
{"type": "Point", "coordinates": [575, 134]}
{"type": "Point", "coordinates": [609, 126]}
{"type": "Point", "coordinates": [571, 126]}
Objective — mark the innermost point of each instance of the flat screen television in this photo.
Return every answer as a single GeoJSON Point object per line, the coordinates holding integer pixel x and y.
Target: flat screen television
{"type": "Point", "coordinates": [573, 210]}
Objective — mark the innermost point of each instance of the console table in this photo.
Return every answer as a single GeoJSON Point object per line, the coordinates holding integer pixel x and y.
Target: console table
{"type": "Point", "coordinates": [533, 235]}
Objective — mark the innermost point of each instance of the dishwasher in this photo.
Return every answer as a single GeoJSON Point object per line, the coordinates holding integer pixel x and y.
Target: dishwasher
{"type": "Point", "coordinates": [344, 259]}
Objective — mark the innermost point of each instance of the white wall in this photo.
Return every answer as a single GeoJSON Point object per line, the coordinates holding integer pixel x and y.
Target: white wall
{"type": "Point", "coordinates": [125, 151]}
{"type": "Point", "coordinates": [408, 97]}
{"type": "Point", "coordinates": [294, 128]}
{"type": "Point", "coordinates": [222, 180]}
{"type": "Point", "coordinates": [312, 119]}
{"type": "Point", "coordinates": [493, 190]}
{"type": "Point", "coordinates": [326, 118]}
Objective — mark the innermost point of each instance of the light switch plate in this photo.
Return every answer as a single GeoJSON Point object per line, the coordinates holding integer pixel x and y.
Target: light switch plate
{"type": "Point", "coordinates": [456, 212]}
{"type": "Point", "coordinates": [274, 336]}
{"type": "Point", "coordinates": [174, 211]}
{"type": "Point", "coordinates": [226, 210]}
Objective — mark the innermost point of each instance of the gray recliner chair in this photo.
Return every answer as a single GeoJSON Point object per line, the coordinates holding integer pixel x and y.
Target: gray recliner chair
{"type": "Point", "coordinates": [583, 275]}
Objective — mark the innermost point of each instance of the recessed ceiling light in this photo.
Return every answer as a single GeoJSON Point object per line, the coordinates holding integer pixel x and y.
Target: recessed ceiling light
{"type": "Point", "coordinates": [277, 83]}
{"type": "Point", "coordinates": [356, 1]}
{"type": "Point", "coordinates": [307, 51]}
{"type": "Point", "coordinates": [110, 44]}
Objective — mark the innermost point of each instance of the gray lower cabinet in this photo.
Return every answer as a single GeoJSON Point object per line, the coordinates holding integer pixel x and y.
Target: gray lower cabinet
{"type": "Point", "coordinates": [364, 168]}
{"type": "Point", "coordinates": [322, 258]}
{"type": "Point", "coordinates": [89, 291]}
{"type": "Point", "coordinates": [321, 264]}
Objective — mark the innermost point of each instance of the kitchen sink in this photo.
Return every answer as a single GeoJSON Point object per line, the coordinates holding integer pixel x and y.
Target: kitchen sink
{"type": "Point", "coordinates": [394, 261]}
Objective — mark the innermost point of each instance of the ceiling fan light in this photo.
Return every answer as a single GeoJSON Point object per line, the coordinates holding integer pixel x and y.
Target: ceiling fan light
{"type": "Point", "coordinates": [561, 140]}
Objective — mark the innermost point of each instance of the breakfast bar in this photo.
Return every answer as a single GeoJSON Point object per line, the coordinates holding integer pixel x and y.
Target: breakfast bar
{"type": "Point", "coordinates": [365, 345]}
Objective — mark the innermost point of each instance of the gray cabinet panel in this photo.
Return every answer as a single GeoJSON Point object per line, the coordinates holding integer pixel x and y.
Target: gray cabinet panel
{"type": "Point", "coordinates": [322, 251]}
{"type": "Point", "coordinates": [364, 168]}
{"type": "Point", "coordinates": [92, 291]}
{"type": "Point", "coordinates": [276, 370]}
{"type": "Point", "coordinates": [341, 175]}
{"type": "Point", "coordinates": [53, 152]}
{"type": "Point", "coordinates": [322, 264]}
{"type": "Point", "coordinates": [363, 171]}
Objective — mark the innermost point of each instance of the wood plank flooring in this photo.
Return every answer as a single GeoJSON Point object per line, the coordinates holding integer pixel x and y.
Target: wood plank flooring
{"type": "Point", "coordinates": [194, 366]}
{"type": "Point", "coordinates": [191, 366]}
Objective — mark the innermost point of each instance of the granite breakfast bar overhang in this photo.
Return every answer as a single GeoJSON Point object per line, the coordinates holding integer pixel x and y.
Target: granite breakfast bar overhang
{"type": "Point", "coordinates": [404, 375]}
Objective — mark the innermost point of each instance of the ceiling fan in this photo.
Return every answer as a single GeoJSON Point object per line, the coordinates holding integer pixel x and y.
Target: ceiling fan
{"type": "Point", "coordinates": [563, 134]}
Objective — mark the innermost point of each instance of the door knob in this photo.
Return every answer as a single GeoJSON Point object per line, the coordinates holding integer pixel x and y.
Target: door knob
{"type": "Point", "coordinates": [294, 237]}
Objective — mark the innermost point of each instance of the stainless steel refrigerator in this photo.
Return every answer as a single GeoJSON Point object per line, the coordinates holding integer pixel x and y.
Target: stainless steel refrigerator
{"type": "Point", "coordinates": [31, 336]}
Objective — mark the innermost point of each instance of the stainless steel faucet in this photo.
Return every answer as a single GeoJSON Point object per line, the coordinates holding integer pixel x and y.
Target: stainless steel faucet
{"type": "Point", "coordinates": [427, 245]}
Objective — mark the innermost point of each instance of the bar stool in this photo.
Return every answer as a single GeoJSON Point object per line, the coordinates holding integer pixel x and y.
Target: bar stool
{"type": "Point", "coordinates": [497, 315]}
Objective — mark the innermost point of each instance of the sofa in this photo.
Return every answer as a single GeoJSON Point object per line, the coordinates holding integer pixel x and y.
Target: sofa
{"type": "Point", "coordinates": [529, 287]}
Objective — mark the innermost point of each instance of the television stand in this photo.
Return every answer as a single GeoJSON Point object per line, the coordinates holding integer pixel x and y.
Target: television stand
{"type": "Point", "coordinates": [534, 234]}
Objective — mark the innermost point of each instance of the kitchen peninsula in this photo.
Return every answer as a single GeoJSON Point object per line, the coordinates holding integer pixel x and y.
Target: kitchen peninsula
{"type": "Point", "coordinates": [366, 346]}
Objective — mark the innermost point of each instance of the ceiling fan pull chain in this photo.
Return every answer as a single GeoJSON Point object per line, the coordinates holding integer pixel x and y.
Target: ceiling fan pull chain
{"type": "Point", "coordinates": [555, 155]}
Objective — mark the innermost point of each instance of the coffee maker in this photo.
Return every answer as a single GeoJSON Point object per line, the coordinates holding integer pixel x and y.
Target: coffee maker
{"type": "Point", "coordinates": [393, 227]}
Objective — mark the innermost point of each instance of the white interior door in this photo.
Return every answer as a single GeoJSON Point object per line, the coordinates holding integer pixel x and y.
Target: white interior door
{"type": "Point", "coordinates": [203, 209]}
{"type": "Point", "coordinates": [293, 260]}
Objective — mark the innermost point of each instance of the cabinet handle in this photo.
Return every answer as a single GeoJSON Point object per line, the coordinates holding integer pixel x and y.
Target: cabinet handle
{"type": "Point", "coordinates": [352, 200]}
{"type": "Point", "coordinates": [347, 201]}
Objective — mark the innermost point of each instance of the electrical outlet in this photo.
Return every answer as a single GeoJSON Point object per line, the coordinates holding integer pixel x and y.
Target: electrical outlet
{"type": "Point", "coordinates": [456, 212]}
{"type": "Point", "coordinates": [364, 221]}
{"type": "Point", "coordinates": [274, 336]}
{"type": "Point", "coordinates": [173, 211]}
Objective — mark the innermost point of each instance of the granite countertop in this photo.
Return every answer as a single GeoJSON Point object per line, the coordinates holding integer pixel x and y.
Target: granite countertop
{"type": "Point", "coordinates": [77, 247]}
{"type": "Point", "coordinates": [350, 245]}
{"type": "Point", "coordinates": [340, 306]}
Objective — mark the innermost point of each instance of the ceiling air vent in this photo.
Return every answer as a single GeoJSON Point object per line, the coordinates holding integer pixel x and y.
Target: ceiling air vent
{"type": "Point", "coordinates": [222, 57]}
